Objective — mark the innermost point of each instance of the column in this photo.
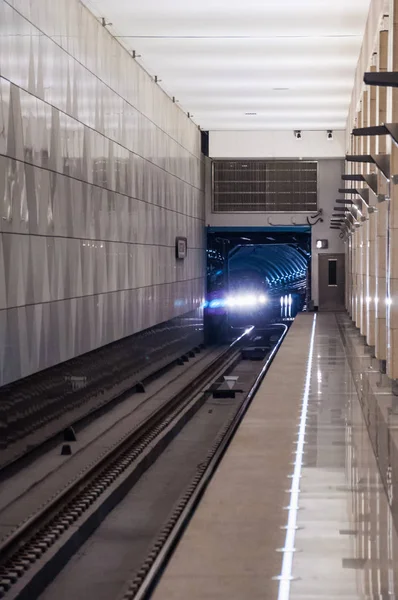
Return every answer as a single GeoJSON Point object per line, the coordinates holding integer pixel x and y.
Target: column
{"type": "Point", "coordinates": [348, 274]}
{"type": "Point", "coordinates": [371, 280]}
{"type": "Point", "coordinates": [381, 215]}
{"type": "Point", "coordinates": [392, 260]}
{"type": "Point", "coordinates": [364, 149]}
{"type": "Point", "coordinates": [359, 237]}
{"type": "Point", "coordinates": [354, 246]}
{"type": "Point", "coordinates": [356, 243]}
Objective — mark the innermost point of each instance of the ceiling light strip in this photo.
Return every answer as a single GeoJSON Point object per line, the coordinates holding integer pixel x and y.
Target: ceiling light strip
{"type": "Point", "coordinates": [288, 550]}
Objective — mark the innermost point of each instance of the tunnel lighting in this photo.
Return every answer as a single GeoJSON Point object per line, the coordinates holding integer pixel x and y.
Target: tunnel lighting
{"type": "Point", "coordinates": [286, 577]}
{"type": "Point", "coordinates": [286, 300]}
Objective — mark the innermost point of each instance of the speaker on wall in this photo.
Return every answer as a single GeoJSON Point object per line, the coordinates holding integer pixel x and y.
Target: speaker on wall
{"type": "Point", "coordinates": [181, 247]}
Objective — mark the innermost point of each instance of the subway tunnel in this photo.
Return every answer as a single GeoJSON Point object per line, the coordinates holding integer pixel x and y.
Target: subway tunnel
{"type": "Point", "coordinates": [253, 274]}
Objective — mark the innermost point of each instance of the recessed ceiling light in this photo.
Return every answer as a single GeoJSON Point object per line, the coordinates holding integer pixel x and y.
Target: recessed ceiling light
{"type": "Point", "coordinates": [281, 89]}
{"type": "Point", "coordinates": [250, 113]}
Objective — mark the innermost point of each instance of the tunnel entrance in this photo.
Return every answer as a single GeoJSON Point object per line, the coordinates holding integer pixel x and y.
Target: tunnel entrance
{"type": "Point", "coordinates": [255, 276]}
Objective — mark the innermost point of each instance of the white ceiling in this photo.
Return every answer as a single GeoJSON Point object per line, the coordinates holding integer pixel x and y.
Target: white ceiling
{"type": "Point", "coordinates": [224, 58]}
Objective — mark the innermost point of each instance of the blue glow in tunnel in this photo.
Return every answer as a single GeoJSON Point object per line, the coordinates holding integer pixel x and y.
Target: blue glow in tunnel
{"type": "Point", "coordinates": [277, 264]}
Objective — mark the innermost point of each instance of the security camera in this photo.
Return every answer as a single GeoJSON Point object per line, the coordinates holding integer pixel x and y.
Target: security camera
{"type": "Point", "coordinates": [297, 134]}
{"type": "Point", "coordinates": [329, 134]}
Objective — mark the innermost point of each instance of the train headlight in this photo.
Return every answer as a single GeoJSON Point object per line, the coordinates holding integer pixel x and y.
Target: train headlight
{"type": "Point", "coordinates": [230, 302]}
{"type": "Point", "coordinates": [246, 301]}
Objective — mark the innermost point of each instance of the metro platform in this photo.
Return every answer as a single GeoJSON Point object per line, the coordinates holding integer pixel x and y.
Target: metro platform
{"type": "Point", "coordinates": [298, 507]}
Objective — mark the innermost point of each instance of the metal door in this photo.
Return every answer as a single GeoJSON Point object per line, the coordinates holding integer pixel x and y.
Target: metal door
{"type": "Point", "coordinates": [331, 279]}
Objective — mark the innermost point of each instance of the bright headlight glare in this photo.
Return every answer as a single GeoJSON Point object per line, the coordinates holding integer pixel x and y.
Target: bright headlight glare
{"type": "Point", "coordinates": [246, 300]}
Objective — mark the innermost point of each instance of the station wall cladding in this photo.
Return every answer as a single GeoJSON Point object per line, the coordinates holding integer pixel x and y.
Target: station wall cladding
{"type": "Point", "coordinates": [100, 172]}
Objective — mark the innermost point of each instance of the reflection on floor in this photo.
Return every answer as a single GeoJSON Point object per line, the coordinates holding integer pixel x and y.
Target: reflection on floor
{"type": "Point", "coordinates": [346, 542]}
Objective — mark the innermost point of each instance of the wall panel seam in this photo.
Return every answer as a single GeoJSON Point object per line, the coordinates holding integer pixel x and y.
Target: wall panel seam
{"type": "Point", "coordinates": [117, 291]}
{"type": "Point", "coordinates": [102, 81]}
{"type": "Point", "coordinates": [103, 135]}
{"type": "Point", "coordinates": [96, 185]}
{"type": "Point", "coordinates": [107, 241]}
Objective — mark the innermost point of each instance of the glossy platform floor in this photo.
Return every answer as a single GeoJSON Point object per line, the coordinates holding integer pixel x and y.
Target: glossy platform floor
{"type": "Point", "coordinates": [297, 508]}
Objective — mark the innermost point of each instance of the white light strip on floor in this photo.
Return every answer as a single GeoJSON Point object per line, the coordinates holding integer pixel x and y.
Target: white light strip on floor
{"type": "Point", "coordinates": [288, 550]}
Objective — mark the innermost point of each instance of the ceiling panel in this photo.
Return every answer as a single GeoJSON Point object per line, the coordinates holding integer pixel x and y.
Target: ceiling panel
{"type": "Point", "coordinates": [291, 62]}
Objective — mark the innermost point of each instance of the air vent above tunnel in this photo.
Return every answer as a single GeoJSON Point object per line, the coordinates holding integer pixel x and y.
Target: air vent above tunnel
{"type": "Point", "coordinates": [265, 186]}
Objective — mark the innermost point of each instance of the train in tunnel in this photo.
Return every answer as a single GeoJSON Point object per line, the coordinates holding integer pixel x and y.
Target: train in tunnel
{"type": "Point", "coordinates": [256, 283]}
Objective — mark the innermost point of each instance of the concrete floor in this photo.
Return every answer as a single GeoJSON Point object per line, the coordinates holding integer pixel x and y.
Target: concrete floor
{"type": "Point", "coordinates": [343, 534]}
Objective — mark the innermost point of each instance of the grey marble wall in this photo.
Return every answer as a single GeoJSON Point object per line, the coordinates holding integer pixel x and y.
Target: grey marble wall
{"type": "Point", "coordinates": [99, 172]}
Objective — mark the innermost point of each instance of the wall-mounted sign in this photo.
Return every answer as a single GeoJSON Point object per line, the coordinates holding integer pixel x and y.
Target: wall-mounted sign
{"type": "Point", "coordinates": [181, 247]}
{"type": "Point", "coordinates": [322, 244]}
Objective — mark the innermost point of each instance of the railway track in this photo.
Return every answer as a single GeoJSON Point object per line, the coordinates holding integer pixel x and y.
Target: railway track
{"type": "Point", "coordinates": [32, 418]}
{"type": "Point", "coordinates": [40, 546]}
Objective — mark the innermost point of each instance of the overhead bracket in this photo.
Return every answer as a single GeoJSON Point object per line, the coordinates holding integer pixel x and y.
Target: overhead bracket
{"type": "Point", "coordinates": [348, 191]}
{"type": "Point", "coordinates": [382, 79]}
{"type": "Point", "coordinates": [360, 158]}
{"type": "Point", "coordinates": [392, 129]}
{"type": "Point", "coordinates": [371, 180]}
{"type": "Point", "coordinates": [382, 161]}
{"type": "Point", "coordinates": [364, 194]}
{"type": "Point", "coordinates": [385, 129]}
{"type": "Point", "coordinates": [354, 222]}
{"type": "Point", "coordinates": [347, 177]}
{"type": "Point", "coordinates": [374, 130]}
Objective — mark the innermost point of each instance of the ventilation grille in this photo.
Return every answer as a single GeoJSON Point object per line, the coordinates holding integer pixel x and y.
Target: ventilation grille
{"type": "Point", "coordinates": [264, 186]}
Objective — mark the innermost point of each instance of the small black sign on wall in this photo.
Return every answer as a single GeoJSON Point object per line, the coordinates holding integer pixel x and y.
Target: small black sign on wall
{"type": "Point", "coordinates": [181, 247]}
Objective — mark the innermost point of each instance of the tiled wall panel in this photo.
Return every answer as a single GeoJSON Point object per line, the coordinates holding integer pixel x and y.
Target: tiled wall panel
{"type": "Point", "coordinates": [99, 172]}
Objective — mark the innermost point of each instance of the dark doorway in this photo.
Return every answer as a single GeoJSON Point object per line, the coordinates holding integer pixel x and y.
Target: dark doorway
{"type": "Point", "coordinates": [331, 281]}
